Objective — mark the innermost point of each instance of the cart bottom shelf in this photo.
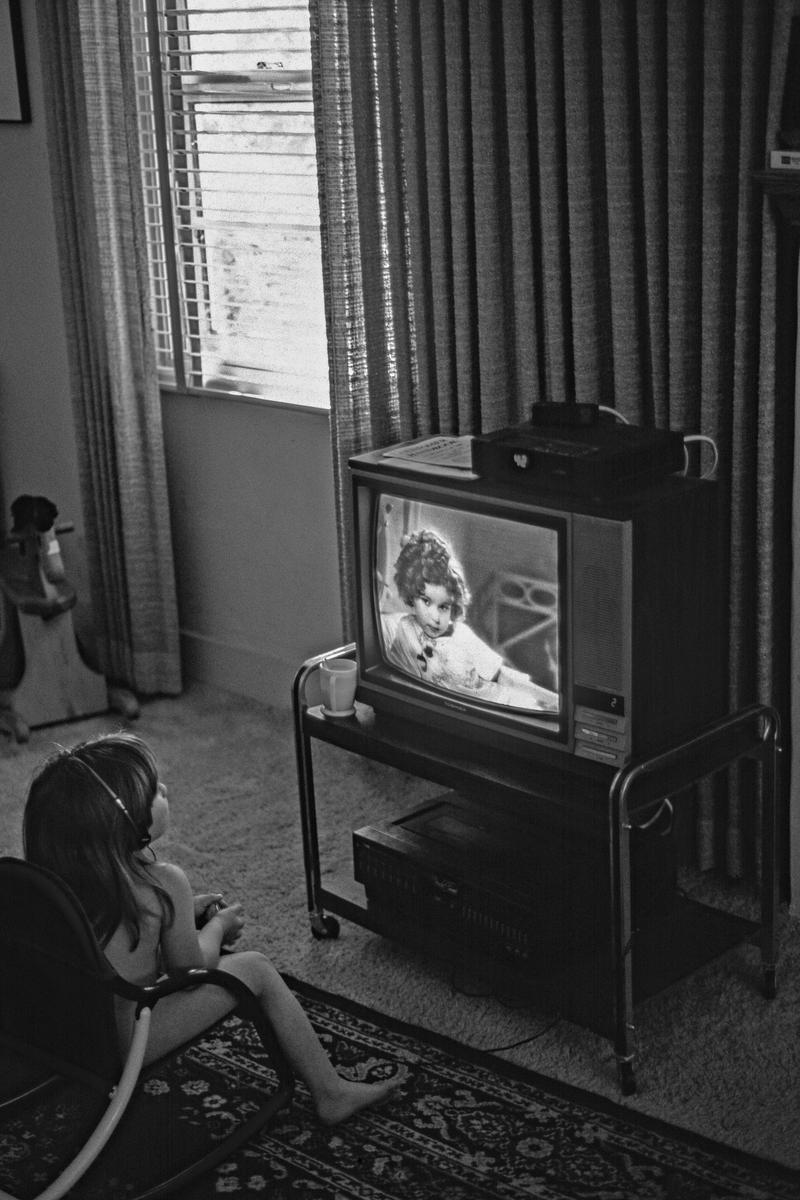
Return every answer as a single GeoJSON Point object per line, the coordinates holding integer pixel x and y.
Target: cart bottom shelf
{"type": "Point", "coordinates": [665, 949]}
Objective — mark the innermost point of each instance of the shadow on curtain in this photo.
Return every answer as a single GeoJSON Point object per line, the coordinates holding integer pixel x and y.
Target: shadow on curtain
{"type": "Point", "coordinates": [554, 201]}
{"type": "Point", "coordinates": [87, 68]}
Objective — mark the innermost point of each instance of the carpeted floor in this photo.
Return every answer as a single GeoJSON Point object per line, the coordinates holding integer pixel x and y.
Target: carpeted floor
{"type": "Point", "coordinates": [713, 1056]}
{"type": "Point", "coordinates": [464, 1126]}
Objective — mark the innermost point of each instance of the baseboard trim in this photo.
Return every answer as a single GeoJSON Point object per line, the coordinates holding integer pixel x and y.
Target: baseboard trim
{"type": "Point", "coordinates": [238, 669]}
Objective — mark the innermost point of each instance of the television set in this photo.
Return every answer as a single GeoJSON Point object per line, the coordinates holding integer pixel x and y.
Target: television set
{"type": "Point", "coordinates": [579, 630]}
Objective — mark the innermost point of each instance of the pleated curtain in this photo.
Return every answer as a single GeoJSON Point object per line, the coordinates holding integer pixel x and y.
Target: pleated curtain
{"type": "Point", "coordinates": [87, 67]}
{"type": "Point", "coordinates": [529, 200]}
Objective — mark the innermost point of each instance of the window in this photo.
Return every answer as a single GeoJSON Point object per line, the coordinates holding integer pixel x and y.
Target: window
{"type": "Point", "coordinates": [230, 189]}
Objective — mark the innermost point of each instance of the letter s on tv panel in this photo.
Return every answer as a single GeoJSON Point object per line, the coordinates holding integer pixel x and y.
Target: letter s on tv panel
{"type": "Point", "coordinates": [553, 626]}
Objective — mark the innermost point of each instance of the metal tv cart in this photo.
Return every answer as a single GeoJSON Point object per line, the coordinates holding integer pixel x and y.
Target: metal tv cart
{"type": "Point", "coordinates": [633, 959]}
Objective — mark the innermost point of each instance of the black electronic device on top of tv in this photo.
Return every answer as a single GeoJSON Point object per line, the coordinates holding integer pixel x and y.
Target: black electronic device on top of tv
{"type": "Point", "coordinates": [597, 458]}
{"type": "Point", "coordinates": [583, 631]}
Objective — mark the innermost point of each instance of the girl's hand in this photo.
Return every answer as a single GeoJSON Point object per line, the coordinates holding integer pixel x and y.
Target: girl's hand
{"type": "Point", "coordinates": [232, 922]}
{"type": "Point", "coordinates": [205, 906]}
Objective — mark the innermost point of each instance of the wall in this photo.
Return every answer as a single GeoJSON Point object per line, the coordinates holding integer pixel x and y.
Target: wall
{"type": "Point", "coordinates": [251, 486]}
{"type": "Point", "coordinates": [251, 495]}
{"type": "Point", "coordinates": [37, 440]}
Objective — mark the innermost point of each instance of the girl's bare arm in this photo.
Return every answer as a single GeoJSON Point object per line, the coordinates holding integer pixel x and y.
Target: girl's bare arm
{"type": "Point", "coordinates": [182, 945]}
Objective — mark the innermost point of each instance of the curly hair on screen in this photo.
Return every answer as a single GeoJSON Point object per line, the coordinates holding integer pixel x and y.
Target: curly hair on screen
{"type": "Point", "coordinates": [425, 558]}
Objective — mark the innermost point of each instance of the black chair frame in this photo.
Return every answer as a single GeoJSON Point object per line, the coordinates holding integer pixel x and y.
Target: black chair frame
{"type": "Point", "coordinates": [57, 1014]}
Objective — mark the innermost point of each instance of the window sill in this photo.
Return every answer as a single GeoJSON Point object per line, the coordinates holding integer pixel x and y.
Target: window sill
{"type": "Point", "coordinates": [225, 397]}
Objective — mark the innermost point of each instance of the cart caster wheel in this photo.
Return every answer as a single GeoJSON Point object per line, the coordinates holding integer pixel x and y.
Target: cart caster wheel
{"type": "Point", "coordinates": [627, 1079]}
{"type": "Point", "coordinates": [323, 928]}
{"type": "Point", "coordinates": [769, 987]}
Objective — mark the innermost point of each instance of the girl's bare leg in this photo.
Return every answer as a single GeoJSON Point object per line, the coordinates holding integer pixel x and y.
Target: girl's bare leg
{"type": "Point", "coordinates": [180, 1017]}
{"type": "Point", "coordinates": [333, 1097]}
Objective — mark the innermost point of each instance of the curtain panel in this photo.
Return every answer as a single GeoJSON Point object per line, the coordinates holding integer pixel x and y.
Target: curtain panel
{"type": "Point", "coordinates": [555, 201]}
{"type": "Point", "coordinates": [87, 66]}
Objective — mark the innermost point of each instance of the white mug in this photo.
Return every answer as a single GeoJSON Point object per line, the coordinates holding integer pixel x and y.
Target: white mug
{"type": "Point", "coordinates": [337, 679]}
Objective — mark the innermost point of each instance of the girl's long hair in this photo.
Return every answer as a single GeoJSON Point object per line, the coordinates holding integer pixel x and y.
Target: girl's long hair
{"type": "Point", "coordinates": [73, 826]}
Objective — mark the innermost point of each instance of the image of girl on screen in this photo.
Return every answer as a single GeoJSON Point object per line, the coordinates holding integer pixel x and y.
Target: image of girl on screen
{"type": "Point", "coordinates": [434, 642]}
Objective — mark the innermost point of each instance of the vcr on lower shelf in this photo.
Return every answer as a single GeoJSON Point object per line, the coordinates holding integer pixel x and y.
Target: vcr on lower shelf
{"type": "Point", "coordinates": [530, 904]}
{"type": "Point", "coordinates": [536, 896]}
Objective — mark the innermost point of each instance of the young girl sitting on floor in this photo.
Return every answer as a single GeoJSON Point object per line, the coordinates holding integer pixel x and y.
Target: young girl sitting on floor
{"type": "Point", "coordinates": [90, 816]}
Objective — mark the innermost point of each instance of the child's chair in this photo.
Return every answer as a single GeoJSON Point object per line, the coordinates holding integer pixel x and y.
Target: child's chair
{"type": "Point", "coordinates": [57, 1026]}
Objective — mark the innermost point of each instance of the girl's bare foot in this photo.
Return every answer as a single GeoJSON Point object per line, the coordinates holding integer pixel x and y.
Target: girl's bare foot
{"type": "Point", "coordinates": [349, 1097]}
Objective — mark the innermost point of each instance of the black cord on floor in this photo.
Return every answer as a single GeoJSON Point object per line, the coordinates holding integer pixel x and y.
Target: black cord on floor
{"type": "Point", "coordinates": [492, 994]}
{"type": "Point", "coordinates": [522, 1041]}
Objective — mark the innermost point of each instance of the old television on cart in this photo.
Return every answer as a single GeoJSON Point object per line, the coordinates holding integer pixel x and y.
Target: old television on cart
{"type": "Point", "coordinates": [611, 607]}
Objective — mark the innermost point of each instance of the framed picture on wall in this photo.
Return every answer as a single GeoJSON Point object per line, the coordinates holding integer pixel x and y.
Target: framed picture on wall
{"type": "Point", "coordinates": [14, 101]}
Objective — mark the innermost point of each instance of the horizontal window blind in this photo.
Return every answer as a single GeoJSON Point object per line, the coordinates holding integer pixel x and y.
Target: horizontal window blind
{"type": "Point", "coordinates": [230, 189]}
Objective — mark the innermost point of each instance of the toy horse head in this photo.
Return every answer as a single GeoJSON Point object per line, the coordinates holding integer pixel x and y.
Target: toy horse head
{"type": "Point", "coordinates": [33, 514]}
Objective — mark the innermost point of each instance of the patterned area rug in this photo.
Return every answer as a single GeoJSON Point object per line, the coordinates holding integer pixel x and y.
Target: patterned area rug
{"type": "Point", "coordinates": [464, 1126]}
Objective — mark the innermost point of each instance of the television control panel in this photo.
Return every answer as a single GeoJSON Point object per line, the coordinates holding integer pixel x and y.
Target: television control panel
{"type": "Point", "coordinates": [600, 736]}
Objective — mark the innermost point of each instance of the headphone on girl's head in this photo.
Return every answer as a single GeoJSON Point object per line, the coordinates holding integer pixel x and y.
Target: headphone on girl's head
{"type": "Point", "coordinates": [142, 835]}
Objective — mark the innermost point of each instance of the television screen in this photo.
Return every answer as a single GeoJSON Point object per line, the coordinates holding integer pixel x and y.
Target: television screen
{"type": "Point", "coordinates": [469, 603]}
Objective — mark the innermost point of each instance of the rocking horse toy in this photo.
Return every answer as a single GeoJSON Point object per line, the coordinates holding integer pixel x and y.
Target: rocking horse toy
{"type": "Point", "coordinates": [56, 684]}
